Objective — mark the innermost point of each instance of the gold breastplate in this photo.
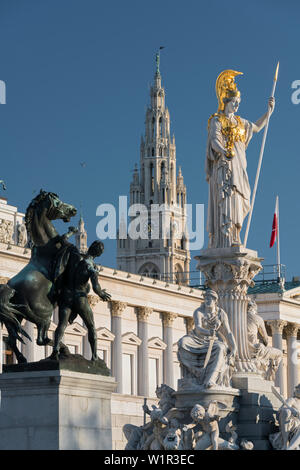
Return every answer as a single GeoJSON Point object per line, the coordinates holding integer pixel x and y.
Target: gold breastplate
{"type": "Point", "coordinates": [233, 132]}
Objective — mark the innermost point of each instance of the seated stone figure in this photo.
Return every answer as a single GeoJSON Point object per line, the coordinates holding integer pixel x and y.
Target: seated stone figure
{"type": "Point", "coordinates": [207, 353]}
{"type": "Point", "coordinates": [288, 437]}
{"type": "Point", "coordinates": [266, 358]}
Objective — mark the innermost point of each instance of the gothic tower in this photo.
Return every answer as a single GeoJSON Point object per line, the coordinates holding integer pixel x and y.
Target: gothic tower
{"type": "Point", "coordinates": [81, 237]}
{"type": "Point", "coordinates": [162, 251]}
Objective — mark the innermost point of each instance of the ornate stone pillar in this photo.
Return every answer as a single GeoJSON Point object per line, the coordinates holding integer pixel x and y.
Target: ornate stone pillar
{"type": "Point", "coordinates": [143, 356]}
{"type": "Point", "coordinates": [28, 348]}
{"type": "Point", "coordinates": [292, 357]}
{"type": "Point", "coordinates": [277, 329]}
{"type": "Point", "coordinates": [168, 319]}
{"type": "Point", "coordinates": [229, 272]}
{"type": "Point", "coordinates": [116, 327]}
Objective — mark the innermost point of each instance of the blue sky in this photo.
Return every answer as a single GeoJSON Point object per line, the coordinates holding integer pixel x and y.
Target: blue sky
{"type": "Point", "coordinates": [78, 72]}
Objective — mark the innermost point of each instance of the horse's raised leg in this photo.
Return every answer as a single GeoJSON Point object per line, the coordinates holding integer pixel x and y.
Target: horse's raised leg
{"type": "Point", "coordinates": [13, 344]}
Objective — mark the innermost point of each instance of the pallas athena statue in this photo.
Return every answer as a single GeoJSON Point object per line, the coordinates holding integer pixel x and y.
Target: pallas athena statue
{"type": "Point", "coordinates": [226, 163]}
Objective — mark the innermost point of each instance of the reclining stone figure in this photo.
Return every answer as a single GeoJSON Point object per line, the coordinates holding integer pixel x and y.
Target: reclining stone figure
{"type": "Point", "coordinates": [266, 358]}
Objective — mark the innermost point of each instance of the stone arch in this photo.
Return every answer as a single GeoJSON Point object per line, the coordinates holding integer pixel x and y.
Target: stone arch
{"type": "Point", "coordinates": [149, 270]}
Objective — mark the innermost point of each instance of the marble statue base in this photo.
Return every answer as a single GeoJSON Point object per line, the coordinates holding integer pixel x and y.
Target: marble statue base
{"type": "Point", "coordinates": [257, 409]}
{"type": "Point", "coordinates": [55, 410]}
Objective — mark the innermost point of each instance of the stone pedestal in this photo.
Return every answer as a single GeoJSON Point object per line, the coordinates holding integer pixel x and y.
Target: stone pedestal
{"type": "Point", "coordinates": [257, 412]}
{"type": "Point", "coordinates": [229, 272]}
{"type": "Point", "coordinates": [55, 410]}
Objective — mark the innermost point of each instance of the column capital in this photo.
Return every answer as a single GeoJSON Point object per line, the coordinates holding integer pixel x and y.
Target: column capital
{"type": "Point", "coordinates": [143, 313]}
{"type": "Point", "coordinates": [277, 326]}
{"type": "Point", "coordinates": [292, 329]}
{"type": "Point", "coordinates": [168, 318]}
{"type": "Point", "coordinates": [93, 300]}
{"type": "Point", "coordinates": [117, 307]}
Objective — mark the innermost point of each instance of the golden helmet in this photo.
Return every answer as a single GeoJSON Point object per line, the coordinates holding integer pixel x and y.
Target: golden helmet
{"type": "Point", "coordinates": [226, 87]}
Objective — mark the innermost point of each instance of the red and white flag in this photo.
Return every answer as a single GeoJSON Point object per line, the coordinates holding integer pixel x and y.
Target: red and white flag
{"type": "Point", "coordinates": [274, 233]}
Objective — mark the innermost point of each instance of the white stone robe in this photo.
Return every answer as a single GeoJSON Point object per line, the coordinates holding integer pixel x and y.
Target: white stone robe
{"type": "Point", "coordinates": [229, 189]}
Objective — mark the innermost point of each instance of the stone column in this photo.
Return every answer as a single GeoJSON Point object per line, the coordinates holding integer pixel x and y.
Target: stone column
{"type": "Point", "coordinates": [116, 328]}
{"type": "Point", "coordinates": [229, 272]}
{"type": "Point", "coordinates": [28, 348]}
{"type": "Point", "coordinates": [87, 350]}
{"type": "Point", "coordinates": [277, 329]}
{"type": "Point", "coordinates": [143, 356]}
{"type": "Point", "coordinates": [168, 319]}
{"type": "Point", "coordinates": [292, 357]}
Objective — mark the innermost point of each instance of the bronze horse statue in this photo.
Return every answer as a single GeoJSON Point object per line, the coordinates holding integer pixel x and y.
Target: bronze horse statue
{"type": "Point", "coordinates": [32, 293]}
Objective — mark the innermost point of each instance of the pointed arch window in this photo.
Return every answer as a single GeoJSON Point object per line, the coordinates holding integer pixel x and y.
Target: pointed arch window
{"type": "Point", "coordinates": [153, 128]}
{"type": "Point", "coordinates": [162, 170]}
{"type": "Point", "coordinates": [160, 127]}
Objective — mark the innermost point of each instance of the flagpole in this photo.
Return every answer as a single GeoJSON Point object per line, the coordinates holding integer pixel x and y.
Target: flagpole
{"type": "Point", "coordinates": [260, 160]}
{"type": "Point", "coordinates": [278, 242]}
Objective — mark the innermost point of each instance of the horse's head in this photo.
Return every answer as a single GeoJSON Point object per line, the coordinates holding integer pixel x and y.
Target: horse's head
{"type": "Point", "coordinates": [58, 209]}
{"type": "Point", "coordinates": [43, 208]}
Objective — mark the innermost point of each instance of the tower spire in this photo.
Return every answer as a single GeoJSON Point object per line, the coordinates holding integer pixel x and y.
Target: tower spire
{"type": "Point", "coordinates": [155, 185]}
{"type": "Point", "coordinates": [157, 61]}
{"type": "Point", "coordinates": [157, 70]}
{"type": "Point", "coordinates": [81, 235]}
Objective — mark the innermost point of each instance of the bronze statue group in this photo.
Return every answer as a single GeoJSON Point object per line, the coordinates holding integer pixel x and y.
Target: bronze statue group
{"type": "Point", "coordinates": [57, 275]}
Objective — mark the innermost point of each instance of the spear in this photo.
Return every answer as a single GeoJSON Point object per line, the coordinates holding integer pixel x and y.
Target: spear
{"type": "Point", "coordinates": [260, 159]}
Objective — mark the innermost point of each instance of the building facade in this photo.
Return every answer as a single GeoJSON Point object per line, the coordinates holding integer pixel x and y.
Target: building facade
{"type": "Point", "coordinates": [139, 329]}
{"type": "Point", "coordinates": [162, 250]}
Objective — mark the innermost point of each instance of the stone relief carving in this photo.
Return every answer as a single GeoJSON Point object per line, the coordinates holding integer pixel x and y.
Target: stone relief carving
{"type": "Point", "coordinates": [6, 231]}
{"type": "Point", "coordinates": [234, 274]}
{"type": "Point", "coordinates": [170, 429]}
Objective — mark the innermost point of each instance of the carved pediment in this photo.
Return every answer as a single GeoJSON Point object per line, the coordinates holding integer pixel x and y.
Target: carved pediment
{"type": "Point", "coordinates": [156, 343]}
{"type": "Point", "coordinates": [76, 329]}
{"type": "Point", "coordinates": [131, 338]}
{"type": "Point", "coordinates": [105, 334]}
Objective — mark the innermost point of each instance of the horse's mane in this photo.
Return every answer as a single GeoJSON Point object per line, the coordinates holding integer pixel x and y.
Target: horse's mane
{"type": "Point", "coordinates": [33, 205]}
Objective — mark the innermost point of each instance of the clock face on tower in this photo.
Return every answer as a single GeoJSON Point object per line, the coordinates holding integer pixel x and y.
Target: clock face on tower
{"type": "Point", "coordinates": [148, 229]}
